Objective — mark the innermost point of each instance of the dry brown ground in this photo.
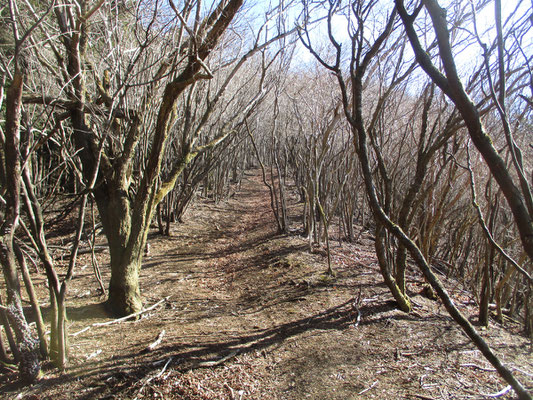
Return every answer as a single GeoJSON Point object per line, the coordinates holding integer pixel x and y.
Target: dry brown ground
{"type": "Point", "coordinates": [251, 315]}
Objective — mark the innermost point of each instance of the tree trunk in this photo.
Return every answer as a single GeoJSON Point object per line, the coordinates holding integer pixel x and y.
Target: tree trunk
{"type": "Point", "coordinates": [30, 289]}
{"type": "Point", "coordinates": [124, 290]}
{"type": "Point", "coordinates": [9, 334]}
{"type": "Point", "coordinates": [399, 295]}
{"type": "Point", "coordinates": [3, 352]}
{"type": "Point", "coordinates": [29, 366]}
{"type": "Point", "coordinates": [486, 290]}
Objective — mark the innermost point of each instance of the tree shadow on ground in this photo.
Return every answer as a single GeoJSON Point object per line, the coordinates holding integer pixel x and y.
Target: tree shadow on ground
{"type": "Point", "coordinates": [128, 370]}
{"type": "Point", "coordinates": [97, 311]}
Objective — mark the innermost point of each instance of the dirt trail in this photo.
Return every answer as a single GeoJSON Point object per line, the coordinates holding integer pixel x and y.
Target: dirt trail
{"type": "Point", "coordinates": [251, 315]}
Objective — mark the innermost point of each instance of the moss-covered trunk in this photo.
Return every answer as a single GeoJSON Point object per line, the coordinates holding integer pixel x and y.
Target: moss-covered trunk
{"type": "Point", "coordinates": [124, 290]}
{"type": "Point", "coordinates": [126, 229]}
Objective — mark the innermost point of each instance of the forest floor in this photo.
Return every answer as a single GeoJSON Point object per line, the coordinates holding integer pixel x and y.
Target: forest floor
{"type": "Point", "coordinates": [245, 313]}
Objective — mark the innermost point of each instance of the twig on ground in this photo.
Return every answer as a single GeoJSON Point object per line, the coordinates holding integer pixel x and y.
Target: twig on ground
{"type": "Point", "coordinates": [94, 354]}
{"type": "Point", "coordinates": [502, 392]}
{"type": "Point", "coordinates": [479, 367]}
{"type": "Point", "coordinates": [152, 346]}
{"type": "Point", "coordinates": [419, 396]}
{"type": "Point", "coordinates": [368, 388]}
{"type": "Point", "coordinates": [147, 381]}
{"type": "Point", "coordinates": [207, 364]}
{"type": "Point", "coordinates": [523, 372]}
{"type": "Point", "coordinates": [118, 320]}
{"type": "Point", "coordinates": [232, 393]}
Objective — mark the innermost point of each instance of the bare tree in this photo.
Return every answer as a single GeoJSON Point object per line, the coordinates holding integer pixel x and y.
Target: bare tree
{"type": "Point", "coordinates": [10, 179]}
{"type": "Point", "coordinates": [363, 51]}
{"type": "Point", "coordinates": [109, 125]}
{"type": "Point", "coordinates": [516, 191]}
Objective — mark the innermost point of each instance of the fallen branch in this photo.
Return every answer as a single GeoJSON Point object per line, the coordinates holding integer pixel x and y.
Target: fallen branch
{"type": "Point", "coordinates": [119, 320]}
{"type": "Point", "coordinates": [419, 396]}
{"type": "Point", "coordinates": [94, 354]}
{"type": "Point", "coordinates": [207, 364]}
{"type": "Point", "coordinates": [157, 342]}
{"type": "Point", "coordinates": [501, 393]}
{"type": "Point", "coordinates": [232, 393]}
{"type": "Point", "coordinates": [523, 372]}
{"type": "Point", "coordinates": [147, 381]}
{"type": "Point", "coordinates": [368, 388]}
{"type": "Point", "coordinates": [479, 367]}
{"type": "Point", "coordinates": [494, 369]}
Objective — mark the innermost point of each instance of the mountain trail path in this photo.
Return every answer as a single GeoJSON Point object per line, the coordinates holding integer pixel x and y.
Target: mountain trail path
{"type": "Point", "coordinates": [242, 312]}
